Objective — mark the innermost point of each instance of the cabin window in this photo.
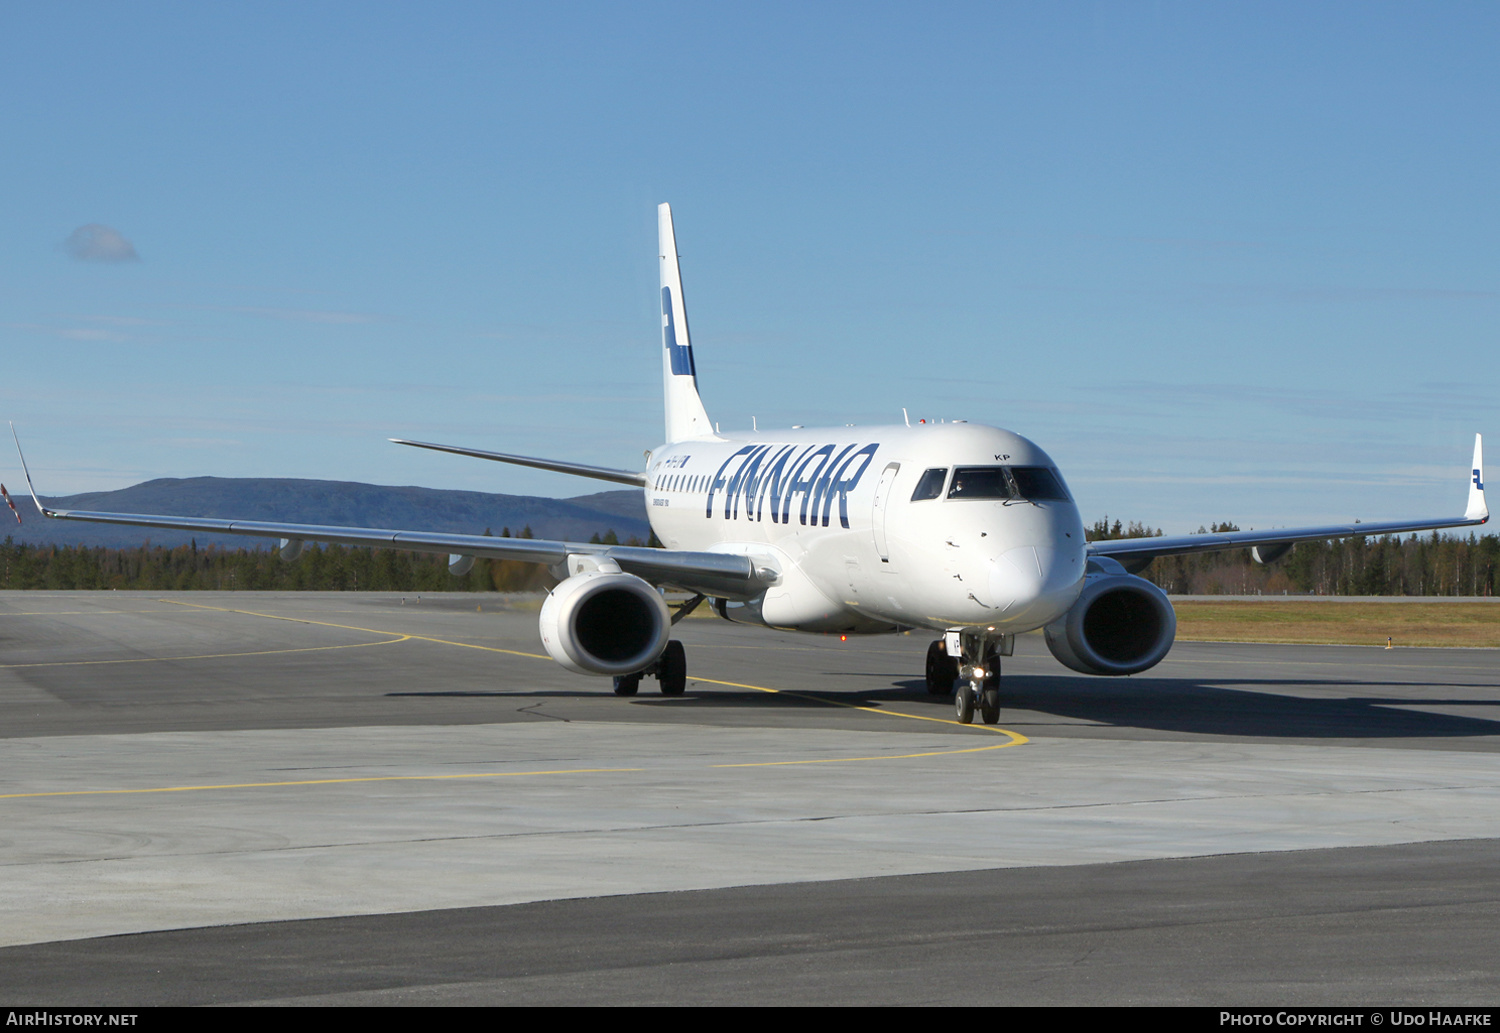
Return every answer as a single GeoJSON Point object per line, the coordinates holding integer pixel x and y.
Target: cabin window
{"type": "Point", "coordinates": [931, 485]}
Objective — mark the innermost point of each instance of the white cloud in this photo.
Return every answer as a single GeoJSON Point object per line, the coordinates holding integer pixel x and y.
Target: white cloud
{"type": "Point", "coordinates": [99, 243]}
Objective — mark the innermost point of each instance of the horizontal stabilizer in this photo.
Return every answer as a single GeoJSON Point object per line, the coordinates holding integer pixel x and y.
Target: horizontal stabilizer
{"type": "Point", "coordinates": [599, 473]}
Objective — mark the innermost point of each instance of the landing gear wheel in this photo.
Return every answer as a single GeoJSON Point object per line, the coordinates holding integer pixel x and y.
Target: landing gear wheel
{"type": "Point", "coordinates": [989, 695]}
{"type": "Point", "coordinates": [671, 669]}
{"type": "Point", "coordinates": [627, 684]}
{"type": "Point", "coordinates": [963, 704]}
{"type": "Point", "coordinates": [989, 704]}
{"type": "Point", "coordinates": [942, 669]}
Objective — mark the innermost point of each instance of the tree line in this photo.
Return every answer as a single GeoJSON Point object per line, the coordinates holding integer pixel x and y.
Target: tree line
{"type": "Point", "coordinates": [1431, 564]}
{"type": "Point", "coordinates": [327, 568]}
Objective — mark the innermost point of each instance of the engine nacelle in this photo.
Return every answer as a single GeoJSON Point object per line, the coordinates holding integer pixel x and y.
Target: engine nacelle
{"type": "Point", "coordinates": [1121, 624]}
{"type": "Point", "coordinates": [605, 623]}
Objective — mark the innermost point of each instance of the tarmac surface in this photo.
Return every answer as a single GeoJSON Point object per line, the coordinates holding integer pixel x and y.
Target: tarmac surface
{"type": "Point", "coordinates": [354, 798]}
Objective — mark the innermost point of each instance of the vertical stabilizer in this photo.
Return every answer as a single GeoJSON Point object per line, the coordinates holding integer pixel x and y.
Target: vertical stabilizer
{"type": "Point", "coordinates": [686, 417]}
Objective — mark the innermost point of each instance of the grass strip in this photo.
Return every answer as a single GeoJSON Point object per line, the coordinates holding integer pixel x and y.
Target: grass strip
{"type": "Point", "coordinates": [1363, 622]}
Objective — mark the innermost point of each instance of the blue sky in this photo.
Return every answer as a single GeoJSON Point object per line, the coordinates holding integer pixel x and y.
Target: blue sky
{"type": "Point", "coordinates": [1222, 261]}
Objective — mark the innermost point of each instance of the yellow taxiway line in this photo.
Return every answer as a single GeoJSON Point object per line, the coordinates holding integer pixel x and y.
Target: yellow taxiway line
{"type": "Point", "coordinates": [1016, 738]}
{"type": "Point", "coordinates": [368, 631]}
{"type": "Point", "coordinates": [1012, 738]}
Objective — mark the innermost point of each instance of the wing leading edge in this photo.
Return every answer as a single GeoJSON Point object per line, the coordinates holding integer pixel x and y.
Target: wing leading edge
{"type": "Point", "coordinates": [1135, 553]}
{"type": "Point", "coordinates": [711, 573]}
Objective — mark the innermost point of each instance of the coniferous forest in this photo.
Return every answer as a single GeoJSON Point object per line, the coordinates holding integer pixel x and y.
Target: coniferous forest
{"type": "Point", "coordinates": [1419, 565]}
{"type": "Point", "coordinates": [325, 568]}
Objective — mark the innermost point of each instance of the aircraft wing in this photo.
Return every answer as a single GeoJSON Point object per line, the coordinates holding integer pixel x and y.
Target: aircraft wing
{"type": "Point", "coordinates": [1135, 553]}
{"type": "Point", "coordinates": [710, 573]}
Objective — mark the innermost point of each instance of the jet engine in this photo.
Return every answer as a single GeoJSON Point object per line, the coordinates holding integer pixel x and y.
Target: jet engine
{"type": "Point", "coordinates": [606, 623]}
{"type": "Point", "coordinates": [1121, 624]}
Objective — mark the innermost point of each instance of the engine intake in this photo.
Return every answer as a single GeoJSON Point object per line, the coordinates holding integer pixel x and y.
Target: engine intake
{"type": "Point", "coordinates": [605, 623]}
{"type": "Point", "coordinates": [1121, 624]}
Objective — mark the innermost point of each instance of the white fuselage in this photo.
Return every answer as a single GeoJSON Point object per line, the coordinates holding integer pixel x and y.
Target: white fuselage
{"type": "Point", "coordinates": [831, 512]}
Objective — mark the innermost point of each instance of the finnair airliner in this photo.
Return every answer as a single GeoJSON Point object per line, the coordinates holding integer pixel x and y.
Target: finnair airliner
{"type": "Point", "coordinates": [961, 530]}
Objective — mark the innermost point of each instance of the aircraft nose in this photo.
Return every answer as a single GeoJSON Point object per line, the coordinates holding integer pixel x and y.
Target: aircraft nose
{"type": "Point", "coordinates": [1025, 576]}
{"type": "Point", "coordinates": [1016, 577]}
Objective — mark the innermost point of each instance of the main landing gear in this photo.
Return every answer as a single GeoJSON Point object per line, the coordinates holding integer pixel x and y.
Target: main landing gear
{"type": "Point", "coordinates": [942, 669]}
{"type": "Point", "coordinates": [670, 671]}
{"type": "Point", "coordinates": [976, 668]}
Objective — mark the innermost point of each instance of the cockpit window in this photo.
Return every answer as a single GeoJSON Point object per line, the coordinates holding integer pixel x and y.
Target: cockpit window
{"type": "Point", "coordinates": [1038, 483]}
{"type": "Point", "coordinates": [1019, 483]}
{"type": "Point", "coordinates": [931, 485]}
{"type": "Point", "coordinates": [981, 482]}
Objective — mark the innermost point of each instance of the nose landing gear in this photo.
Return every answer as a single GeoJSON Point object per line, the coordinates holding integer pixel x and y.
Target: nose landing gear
{"type": "Point", "coordinates": [980, 690]}
{"type": "Point", "coordinates": [979, 682]}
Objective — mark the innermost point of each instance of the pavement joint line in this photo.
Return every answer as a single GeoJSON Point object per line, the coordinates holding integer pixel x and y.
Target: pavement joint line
{"type": "Point", "coordinates": [205, 656]}
{"type": "Point", "coordinates": [479, 774]}
{"type": "Point", "coordinates": [1093, 804]}
{"type": "Point", "coordinates": [318, 782]}
{"type": "Point", "coordinates": [73, 613]}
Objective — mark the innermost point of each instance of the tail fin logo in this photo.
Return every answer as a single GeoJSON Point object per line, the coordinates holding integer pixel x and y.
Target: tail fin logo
{"type": "Point", "coordinates": [1477, 482]}
{"type": "Point", "coordinates": [680, 354]}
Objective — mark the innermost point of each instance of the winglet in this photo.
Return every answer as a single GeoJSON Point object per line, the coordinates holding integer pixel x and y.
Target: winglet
{"type": "Point", "coordinates": [40, 508]}
{"type": "Point", "coordinates": [1477, 509]}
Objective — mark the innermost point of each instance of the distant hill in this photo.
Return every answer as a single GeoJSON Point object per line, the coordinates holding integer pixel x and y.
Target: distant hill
{"type": "Point", "coordinates": [347, 503]}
